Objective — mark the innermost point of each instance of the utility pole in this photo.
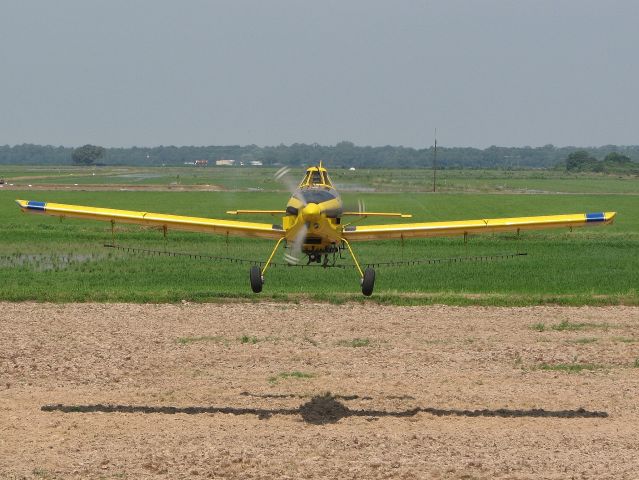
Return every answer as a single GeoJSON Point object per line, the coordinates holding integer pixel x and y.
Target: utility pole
{"type": "Point", "coordinates": [435, 164]}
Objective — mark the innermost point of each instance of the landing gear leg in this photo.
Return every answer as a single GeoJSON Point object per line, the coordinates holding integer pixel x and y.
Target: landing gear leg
{"type": "Point", "coordinates": [367, 277]}
{"type": "Point", "coordinates": [256, 274]}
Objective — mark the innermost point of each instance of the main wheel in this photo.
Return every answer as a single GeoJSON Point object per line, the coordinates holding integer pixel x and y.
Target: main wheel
{"type": "Point", "coordinates": [368, 282]}
{"type": "Point", "coordinates": [256, 279]}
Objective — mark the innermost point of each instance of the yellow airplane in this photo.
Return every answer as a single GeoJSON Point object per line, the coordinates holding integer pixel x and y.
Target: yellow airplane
{"type": "Point", "coordinates": [312, 225]}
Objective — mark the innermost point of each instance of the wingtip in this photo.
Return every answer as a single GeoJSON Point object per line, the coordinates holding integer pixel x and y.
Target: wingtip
{"type": "Point", "coordinates": [31, 205]}
{"type": "Point", "coordinates": [407, 215]}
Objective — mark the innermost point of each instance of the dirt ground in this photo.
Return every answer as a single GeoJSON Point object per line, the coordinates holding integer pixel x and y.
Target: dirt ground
{"type": "Point", "coordinates": [240, 391]}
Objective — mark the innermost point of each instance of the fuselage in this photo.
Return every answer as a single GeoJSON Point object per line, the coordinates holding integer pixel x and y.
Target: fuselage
{"type": "Point", "coordinates": [317, 207]}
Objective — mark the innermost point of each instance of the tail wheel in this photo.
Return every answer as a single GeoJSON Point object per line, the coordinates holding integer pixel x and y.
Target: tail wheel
{"type": "Point", "coordinates": [368, 282]}
{"type": "Point", "coordinates": [256, 279]}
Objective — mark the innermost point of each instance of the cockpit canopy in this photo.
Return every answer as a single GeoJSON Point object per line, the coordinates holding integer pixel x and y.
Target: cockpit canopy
{"type": "Point", "coordinates": [316, 177]}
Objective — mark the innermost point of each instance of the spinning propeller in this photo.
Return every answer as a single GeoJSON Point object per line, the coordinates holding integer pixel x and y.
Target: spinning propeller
{"type": "Point", "coordinates": [294, 254]}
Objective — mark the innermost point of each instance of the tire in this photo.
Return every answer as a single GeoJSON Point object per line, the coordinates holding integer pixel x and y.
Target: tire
{"type": "Point", "coordinates": [368, 282]}
{"type": "Point", "coordinates": [256, 279]}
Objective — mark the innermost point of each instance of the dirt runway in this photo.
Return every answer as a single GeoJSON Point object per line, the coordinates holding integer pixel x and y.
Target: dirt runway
{"type": "Point", "coordinates": [242, 391]}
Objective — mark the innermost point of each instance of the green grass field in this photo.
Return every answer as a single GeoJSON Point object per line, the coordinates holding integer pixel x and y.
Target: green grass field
{"type": "Point", "coordinates": [45, 259]}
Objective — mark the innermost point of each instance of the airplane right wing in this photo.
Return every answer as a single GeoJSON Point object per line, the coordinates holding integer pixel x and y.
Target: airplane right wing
{"type": "Point", "coordinates": [354, 233]}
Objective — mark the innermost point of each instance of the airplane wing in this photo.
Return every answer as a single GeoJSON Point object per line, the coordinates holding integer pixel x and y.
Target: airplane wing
{"type": "Point", "coordinates": [171, 222]}
{"type": "Point", "coordinates": [378, 214]}
{"type": "Point", "coordinates": [252, 212]}
{"type": "Point", "coordinates": [488, 225]}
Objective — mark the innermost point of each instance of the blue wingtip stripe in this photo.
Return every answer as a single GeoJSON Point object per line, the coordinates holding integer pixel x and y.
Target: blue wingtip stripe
{"type": "Point", "coordinates": [33, 205]}
{"type": "Point", "coordinates": [595, 217]}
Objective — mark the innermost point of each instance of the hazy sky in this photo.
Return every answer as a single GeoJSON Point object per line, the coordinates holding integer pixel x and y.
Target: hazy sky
{"type": "Point", "coordinates": [159, 72]}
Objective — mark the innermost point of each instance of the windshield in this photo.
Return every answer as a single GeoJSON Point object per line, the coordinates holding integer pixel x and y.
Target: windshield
{"type": "Point", "coordinates": [316, 178]}
{"type": "Point", "coordinates": [317, 196]}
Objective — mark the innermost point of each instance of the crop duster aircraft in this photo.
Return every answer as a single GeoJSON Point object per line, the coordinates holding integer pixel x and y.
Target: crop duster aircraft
{"type": "Point", "coordinates": [313, 225]}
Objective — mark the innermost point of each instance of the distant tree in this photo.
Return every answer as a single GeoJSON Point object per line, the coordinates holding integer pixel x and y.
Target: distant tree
{"type": "Point", "coordinates": [87, 154]}
{"type": "Point", "coordinates": [616, 157]}
{"type": "Point", "coordinates": [580, 161]}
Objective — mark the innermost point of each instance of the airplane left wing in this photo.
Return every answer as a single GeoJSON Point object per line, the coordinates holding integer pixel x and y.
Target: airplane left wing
{"type": "Point", "coordinates": [170, 222]}
{"type": "Point", "coordinates": [439, 229]}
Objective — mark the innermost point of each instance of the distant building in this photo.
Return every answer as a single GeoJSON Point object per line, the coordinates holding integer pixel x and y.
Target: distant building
{"type": "Point", "coordinates": [225, 163]}
{"type": "Point", "coordinates": [256, 163]}
{"type": "Point", "coordinates": [352, 169]}
{"type": "Point", "coordinates": [201, 163]}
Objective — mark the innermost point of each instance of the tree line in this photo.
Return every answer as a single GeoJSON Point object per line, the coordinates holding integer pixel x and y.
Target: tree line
{"type": "Point", "coordinates": [341, 155]}
{"type": "Point", "coordinates": [614, 162]}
